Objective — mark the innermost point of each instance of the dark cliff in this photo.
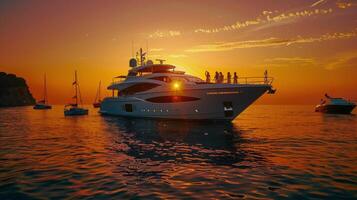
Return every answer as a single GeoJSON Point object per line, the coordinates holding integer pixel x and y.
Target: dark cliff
{"type": "Point", "coordinates": [14, 91]}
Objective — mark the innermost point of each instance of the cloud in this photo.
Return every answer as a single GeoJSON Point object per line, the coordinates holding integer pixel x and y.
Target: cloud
{"type": "Point", "coordinates": [344, 5]}
{"type": "Point", "coordinates": [165, 34]}
{"type": "Point", "coordinates": [344, 60]}
{"type": "Point", "coordinates": [267, 17]}
{"type": "Point", "coordinates": [155, 56]}
{"type": "Point", "coordinates": [318, 3]}
{"type": "Point", "coordinates": [290, 61]}
{"type": "Point", "coordinates": [177, 55]}
{"type": "Point", "coordinates": [269, 42]}
{"type": "Point", "coordinates": [156, 50]}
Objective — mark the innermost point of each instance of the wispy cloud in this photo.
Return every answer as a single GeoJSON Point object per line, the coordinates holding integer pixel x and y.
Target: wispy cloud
{"type": "Point", "coordinates": [177, 55]}
{"type": "Point", "coordinates": [164, 34]}
{"type": "Point", "coordinates": [156, 50]}
{"type": "Point", "coordinates": [269, 42]}
{"type": "Point", "coordinates": [343, 60]}
{"type": "Point", "coordinates": [344, 5]}
{"type": "Point", "coordinates": [290, 61]}
{"type": "Point", "coordinates": [318, 3]}
{"type": "Point", "coordinates": [155, 56]}
{"type": "Point", "coordinates": [267, 17]}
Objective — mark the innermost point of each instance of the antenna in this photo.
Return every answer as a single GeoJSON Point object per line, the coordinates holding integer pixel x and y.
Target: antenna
{"type": "Point", "coordinates": [147, 49]}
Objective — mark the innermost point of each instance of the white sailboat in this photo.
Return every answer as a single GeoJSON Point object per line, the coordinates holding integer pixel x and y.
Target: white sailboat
{"type": "Point", "coordinates": [43, 104]}
{"type": "Point", "coordinates": [74, 108]}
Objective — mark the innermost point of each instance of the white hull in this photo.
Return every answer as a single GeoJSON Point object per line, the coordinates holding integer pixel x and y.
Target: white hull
{"type": "Point", "coordinates": [216, 102]}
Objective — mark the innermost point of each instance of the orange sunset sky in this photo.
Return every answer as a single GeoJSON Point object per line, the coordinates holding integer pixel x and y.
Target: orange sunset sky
{"type": "Point", "coordinates": [308, 46]}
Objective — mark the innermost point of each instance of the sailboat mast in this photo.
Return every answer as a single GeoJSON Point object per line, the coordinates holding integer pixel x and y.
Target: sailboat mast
{"type": "Point", "coordinates": [76, 86]}
{"type": "Point", "coordinates": [99, 99]}
{"type": "Point", "coordinates": [45, 89]}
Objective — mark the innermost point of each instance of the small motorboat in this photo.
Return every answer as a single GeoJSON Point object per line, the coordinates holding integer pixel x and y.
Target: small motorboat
{"type": "Point", "coordinates": [74, 109]}
{"type": "Point", "coordinates": [97, 100]}
{"type": "Point", "coordinates": [43, 104]}
{"type": "Point", "coordinates": [335, 106]}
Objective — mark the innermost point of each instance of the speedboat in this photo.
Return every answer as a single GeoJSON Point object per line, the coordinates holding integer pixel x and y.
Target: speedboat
{"type": "Point", "coordinates": [335, 105]}
{"type": "Point", "coordinates": [43, 104]}
{"type": "Point", "coordinates": [97, 100]}
{"type": "Point", "coordinates": [159, 91]}
{"type": "Point", "coordinates": [74, 108]}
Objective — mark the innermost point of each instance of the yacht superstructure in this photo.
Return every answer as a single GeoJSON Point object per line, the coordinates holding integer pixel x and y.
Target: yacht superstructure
{"type": "Point", "coordinates": [159, 91]}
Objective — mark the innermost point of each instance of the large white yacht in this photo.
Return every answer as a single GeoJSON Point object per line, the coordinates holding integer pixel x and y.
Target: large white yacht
{"type": "Point", "coordinates": [159, 91]}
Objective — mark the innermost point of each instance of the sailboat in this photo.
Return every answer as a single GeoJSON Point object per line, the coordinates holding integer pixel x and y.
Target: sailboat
{"type": "Point", "coordinates": [42, 105]}
{"type": "Point", "coordinates": [97, 100]}
{"type": "Point", "coordinates": [73, 108]}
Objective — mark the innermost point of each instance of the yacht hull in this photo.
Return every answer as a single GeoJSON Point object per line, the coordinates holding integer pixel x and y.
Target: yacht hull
{"type": "Point", "coordinates": [224, 103]}
{"type": "Point", "coordinates": [335, 109]}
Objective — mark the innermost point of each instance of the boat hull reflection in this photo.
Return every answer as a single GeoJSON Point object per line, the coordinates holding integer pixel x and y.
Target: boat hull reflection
{"type": "Point", "coordinates": [182, 141]}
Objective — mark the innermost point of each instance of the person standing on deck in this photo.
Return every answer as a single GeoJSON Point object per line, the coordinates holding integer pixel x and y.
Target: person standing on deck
{"type": "Point", "coordinates": [229, 77]}
{"type": "Point", "coordinates": [235, 78]}
{"type": "Point", "coordinates": [220, 77]}
{"type": "Point", "coordinates": [266, 77]}
{"type": "Point", "coordinates": [216, 77]}
{"type": "Point", "coordinates": [208, 77]}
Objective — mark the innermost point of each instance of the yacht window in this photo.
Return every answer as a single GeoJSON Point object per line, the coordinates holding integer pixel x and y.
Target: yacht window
{"type": "Point", "coordinates": [172, 99]}
{"type": "Point", "coordinates": [196, 80]}
{"type": "Point", "coordinates": [140, 87]}
{"type": "Point", "coordinates": [132, 73]}
{"type": "Point", "coordinates": [177, 78]}
{"type": "Point", "coordinates": [162, 78]}
{"type": "Point", "coordinates": [128, 107]}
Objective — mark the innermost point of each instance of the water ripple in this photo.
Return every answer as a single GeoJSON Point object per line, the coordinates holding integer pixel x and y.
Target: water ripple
{"type": "Point", "coordinates": [296, 154]}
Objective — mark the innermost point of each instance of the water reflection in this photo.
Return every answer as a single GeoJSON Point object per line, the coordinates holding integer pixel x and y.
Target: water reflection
{"type": "Point", "coordinates": [182, 141]}
{"type": "Point", "coordinates": [268, 152]}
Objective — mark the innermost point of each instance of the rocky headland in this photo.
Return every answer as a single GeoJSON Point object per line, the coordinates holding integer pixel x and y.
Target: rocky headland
{"type": "Point", "coordinates": [14, 91]}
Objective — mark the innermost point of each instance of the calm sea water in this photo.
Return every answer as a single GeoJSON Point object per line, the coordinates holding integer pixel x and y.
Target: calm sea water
{"type": "Point", "coordinates": [268, 152]}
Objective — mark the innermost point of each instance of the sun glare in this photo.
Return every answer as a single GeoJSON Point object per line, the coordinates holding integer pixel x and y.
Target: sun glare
{"type": "Point", "coordinates": [176, 85]}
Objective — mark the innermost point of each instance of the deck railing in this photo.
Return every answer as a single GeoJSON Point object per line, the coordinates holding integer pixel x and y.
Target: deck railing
{"type": "Point", "coordinates": [240, 80]}
{"type": "Point", "coordinates": [247, 80]}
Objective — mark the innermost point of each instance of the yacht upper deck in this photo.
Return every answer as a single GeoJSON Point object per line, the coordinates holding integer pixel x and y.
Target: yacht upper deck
{"type": "Point", "coordinates": [147, 71]}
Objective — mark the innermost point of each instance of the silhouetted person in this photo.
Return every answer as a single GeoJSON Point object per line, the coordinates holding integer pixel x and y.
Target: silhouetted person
{"type": "Point", "coordinates": [322, 101]}
{"type": "Point", "coordinates": [229, 77]}
{"type": "Point", "coordinates": [208, 77]}
{"type": "Point", "coordinates": [235, 78]}
{"type": "Point", "coordinates": [216, 77]}
{"type": "Point", "coordinates": [221, 77]}
{"type": "Point", "coordinates": [266, 76]}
